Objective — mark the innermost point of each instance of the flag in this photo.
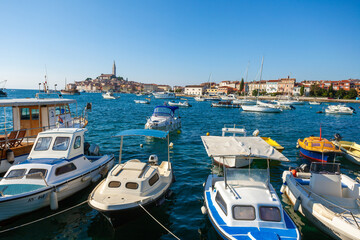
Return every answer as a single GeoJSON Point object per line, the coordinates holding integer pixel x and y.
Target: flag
{"type": "Point", "coordinates": [60, 119]}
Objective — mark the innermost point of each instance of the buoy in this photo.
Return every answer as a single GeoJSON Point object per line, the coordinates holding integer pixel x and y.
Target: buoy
{"type": "Point", "coordinates": [171, 145]}
{"type": "Point", "coordinates": [203, 184]}
{"type": "Point", "coordinates": [282, 189]}
{"type": "Point", "coordinates": [178, 131]}
{"type": "Point", "coordinates": [293, 171]}
{"type": "Point", "coordinates": [297, 204]}
{"type": "Point", "coordinates": [207, 134]}
{"type": "Point", "coordinates": [53, 201]}
{"type": "Point", "coordinates": [203, 210]}
{"type": "Point", "coordinates": [141, 145]}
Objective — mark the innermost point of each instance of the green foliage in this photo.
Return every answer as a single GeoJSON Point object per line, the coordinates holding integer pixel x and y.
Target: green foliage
{"type": "Point", "coordinates": [302, 91]}
{"type": "Point", "coordinates": [352, 94]}
{"type": "Point", "coordinates": [255, 92]}
{"type": "Point", "coordinates": [88, 79]}
{"type": "Point", "coordinates": [242, 85]}
{"type": "Point", "coordinates": [179, 90]}
{"type": "Point", "coordinates": [316, 91]}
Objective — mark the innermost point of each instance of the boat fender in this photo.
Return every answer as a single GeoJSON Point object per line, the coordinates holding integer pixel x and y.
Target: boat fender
{"type": "Point", "coordinates": [293, 172]}
{"type": "Point", "coordinates": [96, 178]}
{"type": "Point", "coordinates": [297, 204]}
{"type": "Point", "coordinates": [10, 156]}
{"type": "Point", "coordinates": [256, 133]}
{"type": "Point", "coordinates": [282, 189]}
{"type": "Point", "coordinates": [85, 179]}
{"type": "Point", "coordinates": [203, 210]}
{"type": "Point", "coordinates": [54, 201]}
{"type": "Point", "coordinates": [171, 145]}
{"type": "Point", "coordinates": [203, 184]}
{"type": "Point", "coordinates": [62, 188]}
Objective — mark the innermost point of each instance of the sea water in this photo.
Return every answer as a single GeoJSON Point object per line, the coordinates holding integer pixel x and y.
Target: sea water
{"type": "Point", "coordinates": [181, 212]}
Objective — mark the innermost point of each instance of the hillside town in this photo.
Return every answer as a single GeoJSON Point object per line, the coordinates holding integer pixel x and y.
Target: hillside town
{"type": "Point", "coordinates": [282, 86]}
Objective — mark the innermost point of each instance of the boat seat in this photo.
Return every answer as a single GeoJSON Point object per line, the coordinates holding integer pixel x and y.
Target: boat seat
{"type": "Point", "coordinates": [19, 138]}
{"type": "Point", "coordinates": [12, 138]}
{"type": "Point", "coordinates": [134, 164]}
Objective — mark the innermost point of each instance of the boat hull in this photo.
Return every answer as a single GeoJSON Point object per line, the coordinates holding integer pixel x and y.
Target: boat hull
{"type": "Point", "coordinates": [317, 156]}
{"type": "Point", "coordinates": [256, 108]}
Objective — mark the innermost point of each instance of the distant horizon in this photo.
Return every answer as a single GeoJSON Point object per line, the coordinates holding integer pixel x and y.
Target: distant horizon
{"type": "Point", "coordinates": [178, 42]}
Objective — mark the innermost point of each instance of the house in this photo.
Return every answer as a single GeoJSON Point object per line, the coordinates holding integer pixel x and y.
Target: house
{"type": "Point", "coordinates": [286, 85]}
{"type": "Point", "coordinates": [163, 88]}
{"type": "Point", "coordinates": [194, 90]}
{"type": "Point", "coordinates": [272, 86]}
{"type": "Point", "coordinates": [225, 90]}
{"type": "Point", "coordinates": [150, 87]}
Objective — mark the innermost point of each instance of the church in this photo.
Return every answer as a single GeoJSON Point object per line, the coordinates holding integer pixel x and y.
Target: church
{"type": "Point", "coordinates": [108, 76]}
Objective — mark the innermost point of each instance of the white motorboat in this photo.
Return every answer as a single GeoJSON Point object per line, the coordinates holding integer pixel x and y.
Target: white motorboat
{"type": "Point", "coordinates": [58, 166]}
{"type": "Point", "coordinates": [225, 104]}
{"type": "Point", "coordinates": [287, 100]}
{"type": "Point", "coordinates": [109, 95]}
{"type": "Point", "coordinates": [164, 95]}
{"type": "Point", "coordinates": [262, 107]}
{"type": "Point", "coordinates": [242, 204]}
{"type": "Point", "coordinates": [329, 199]}
{"type": "Point", "coordinates": [199, 99]}
{"type": "Point", "coordinates": [244, 101]}
{"type": "Point", "coordinates": [18, 135]}
{"type": "Point", "coordinates": [133, 183]}
{"type": "Point", "coordinates": [164, 118]}
{"type": "Point", "coordinates": [185, 103]}
{"type": "Point", "coordinates": [229, 97]}
{"type": "Point", "coordinates": [314, 103]}
{"type": "Point", "coordinates": [145, 101]}
{"type": "Point", "coordinates": [340, 109]}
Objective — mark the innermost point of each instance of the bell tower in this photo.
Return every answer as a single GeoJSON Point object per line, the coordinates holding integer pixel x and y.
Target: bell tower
{"type": "Point", "coordinates": [114, 69]}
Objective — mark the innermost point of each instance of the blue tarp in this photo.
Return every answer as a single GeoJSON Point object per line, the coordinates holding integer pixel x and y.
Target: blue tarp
{"type": "Point", "coordinates": [172, 108]}
{"type": "Point", "coordinates": [143, 132]}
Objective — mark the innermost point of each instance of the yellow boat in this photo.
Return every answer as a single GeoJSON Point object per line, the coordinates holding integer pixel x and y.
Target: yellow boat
{"type": "Point", "coordinates": [273, 143]}
{"type": "Point", "coordinates": [351, 150]}
{"type": "Point", "coordinates": [318, 149]}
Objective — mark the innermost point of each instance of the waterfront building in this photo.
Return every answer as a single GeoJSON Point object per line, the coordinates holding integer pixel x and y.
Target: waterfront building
{"type": "Point", "coordinates": [272, 86]}
{"type": "Point", "coordinates": [286, 85]}
{"type": "Point", "coordinates": [163, 88]}
{"type": "Point", "coordinates": [194, 90]}
{"type": "Point", "coordinates": [225, 90]}
{"type": "Point", "coordinates": [150, 87]}
{"type": "Point", "coordinates": [212, 91]}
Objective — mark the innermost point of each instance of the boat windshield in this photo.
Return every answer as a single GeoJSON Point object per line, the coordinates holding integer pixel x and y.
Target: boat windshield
{"type": "Point", "coordinates": [163, 112]}
{"type": "Point", "coordinates": [247, 177]}
{"type": "Point", "coordinates": [325, 168]}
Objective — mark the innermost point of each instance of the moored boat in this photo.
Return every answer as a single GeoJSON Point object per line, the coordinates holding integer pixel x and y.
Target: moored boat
{"type": "Point", "coordinates": [318, 149]}
{"type": "Point", "coordinates": [185, 103]}
{"type": "Point", "coordinates": [351, 150]}
{"type": "Point", "coordinates": [164, 95]}
{"type": "Point", "coordinates": [340, 109]}
{"type": "Point", "coordinates": [59, 165]}
{"type": "Point", "coordinates": [261, 107]}
{"type": "Point", "coordinates": [164, 118]}
{"type": "Point", "coordinates": [225, 104]}
{"type": "Point", "coordinates": [329, 199]}
{"type": "Point", "coordinates": [144, 101]}
{"type": "Point", "coordinates": [133, 184]}
{"type": "Point", "coordinates": [109, 95]}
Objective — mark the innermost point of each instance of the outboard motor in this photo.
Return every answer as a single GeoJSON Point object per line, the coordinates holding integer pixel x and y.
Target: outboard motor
{"type": "Point", "coordinates": [10, 156]}
{"type": "Point", "coordinates": [292, 107]}
{"type": "Point", "coordinates": [94, 150]}
{"type": "Point", "coordinates": [303, 168]}
{"type": "Point", "coordinates": [153, 160]}
{"type": "Point", "coordinates": [337, 137]}
{"type": "Point", "coordinates": [88, 106]}
{"type": "Point", "coordinates": [352, 109]}
{"type": "Point", "coordinates": [256, 133]}
{"type": "Point", "coordinates": [86, 148]}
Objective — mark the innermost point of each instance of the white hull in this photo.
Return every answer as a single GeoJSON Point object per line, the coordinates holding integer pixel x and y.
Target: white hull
{"type": "Point", "coordinates": [244, 102]}
{"type": "Point", "coordinates": [142, 101]}
{"type": "Point", "coordinates": [258, 108]}
{"type": "Point", "coordinates": [165, 96]}
{"type": "Point", "coordinates": [314, 103]}
{"type": "Point", "coordinates": [163, 127]}
{"type": "Point", "coordinates": [313, 209]}
{"type": "Point", "coordinates": [338, 112]}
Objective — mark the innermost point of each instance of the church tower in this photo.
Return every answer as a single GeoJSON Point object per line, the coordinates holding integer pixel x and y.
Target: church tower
{"type": "Point", "coordinates": [114, 69]}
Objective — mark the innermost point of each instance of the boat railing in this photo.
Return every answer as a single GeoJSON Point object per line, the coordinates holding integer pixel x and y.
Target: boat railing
{"type": "Point", "coordinates": [25, 175]}
{"type": "Point", "coordinates": [344, 210]}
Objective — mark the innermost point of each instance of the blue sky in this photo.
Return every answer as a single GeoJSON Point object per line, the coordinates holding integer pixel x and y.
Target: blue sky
{"type": "Point", "coordinates": [177, 42]}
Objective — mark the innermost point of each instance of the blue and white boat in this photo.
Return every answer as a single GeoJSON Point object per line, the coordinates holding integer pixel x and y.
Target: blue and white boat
{"type": "Point", "coordinates": [164, 118]}
{"type": "Point", "coordinates": [242, 204]}
{"type": "Point", "coordinates": [59, 165]}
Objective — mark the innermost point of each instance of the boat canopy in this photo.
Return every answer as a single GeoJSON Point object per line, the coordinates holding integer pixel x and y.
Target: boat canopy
{"type": "Point", "coordinates": [248, 147]}
{"type": "Point", "coordinates": [17, 102]}
{"type": "Point", "coordinates": [143, 132]}
{"type": "Point", "coordinates": [172, 108]}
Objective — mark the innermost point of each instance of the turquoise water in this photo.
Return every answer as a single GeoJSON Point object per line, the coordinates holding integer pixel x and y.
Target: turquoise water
{"type": "Point", "coordinates": [181, 213]}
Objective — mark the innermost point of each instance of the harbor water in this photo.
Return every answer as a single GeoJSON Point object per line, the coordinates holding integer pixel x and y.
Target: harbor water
{"type": "Point", "coordinates": [180, 213]}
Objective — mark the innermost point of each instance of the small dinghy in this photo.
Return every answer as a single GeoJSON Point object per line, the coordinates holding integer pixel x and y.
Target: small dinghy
{"type": "Point", "coordinates": [133, 184]}
{"type": "Point", "coordinates": [242, 204]}
{"type": "Point", "coordinates": [351, 150]}
{"type": "Point", "coordinates": [59, 165]}
{"type": "Point", "coordinates": [145, 101]}
{"type": "Point", "coordinates": [340, 109]}
{"type": "Point", "coordinates": [329, 199]}
{"type": "Point", "coordinates": [109, 95]}
{"type": "Point", "coordinates": [185, 103]}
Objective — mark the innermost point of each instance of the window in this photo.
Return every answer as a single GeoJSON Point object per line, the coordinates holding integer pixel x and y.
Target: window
{"type": "Point", "coordinates": [34, 114]}
{"type": "Point", "coordinates": [153, 179]}
{"type": "Point", "coordinates": [221, 202]}
{"type": "Point", "coordinates": [65, 169]}
{"type": "Point", "coordinates": [315, 144]}
{"type": "Point", "coordinates": [67, 109]}
{"type": "Point", "coordinates": [57, 111]}
{"type": "Point", "coordinates": [132, 185]}
{"type": "Point", "coordinates": [244, 212]}
{"type": "Point", "coordinates": [36, 173]}
{"type": "Point", "coordinates": [77, 142]}
{"type": "Point", "coordinates": [270, 214]}
{"type": "Point", "coordinates": [18, 173]}
{"type": "Point", "coordinates": [114, 184]}
{"type": "Point", "coordinates": [25, 114]}
{"type": "Point", "coordinates": [43, 144]}
{"type": "Point", "coordinates": [61, 143]}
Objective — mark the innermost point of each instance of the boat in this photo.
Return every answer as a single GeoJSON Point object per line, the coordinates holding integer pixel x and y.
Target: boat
{"type": "Point", "coordinates": [225, 104]}
{"type": "Point", "coordinates": [341, 109]}
{"type": "Point", "coordinates": [327, 198]}
{"type": "Point", "coordinates": [17, 136]}
{"type": "Point", "coordinates": [59, 165]}
{"type": "Point", "coordinates": [244, 101]}
{"type": "Point", "coordinates": [2, 92]}
{"type": "Point", "coordinates": [242, 203]}
{"type": "Point", "coordinates": [133, 184]}
{"type": "Point", "coordinates": [351, 150]}
{"type": "Point", "coordinates": [287, 100]}
{"type": "Point", "coordinates": [314, 103]}
{"type": "Point", "coordinates": [318, 149]}
{"type": "Point", "coordinates": [199, 99]}
{"type": "Point", "coordinates": [236, 161]}
{"type": "Point", "coordinates": [164, 95]}
{"type": "Point", "coordinates": [262, 107]}
{"type": "Point", "coordinates": [144, 101]}
{"type": "Point", "coordinates": [212, 98]}
{"type": "Point", "coordinates": [185, 103]}
{"type": "Point", "coordinates": [164, 118]}
{"type": "Point", "coordinates": [109, 95]}
{"type": "Point", "coordinates": [229, 97]}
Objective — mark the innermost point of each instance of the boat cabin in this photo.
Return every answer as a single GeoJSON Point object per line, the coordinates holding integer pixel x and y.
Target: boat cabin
{"type": "Point", "coordinates": [317, 143]}
{"type": "Point", "coordinates": [165, 111]}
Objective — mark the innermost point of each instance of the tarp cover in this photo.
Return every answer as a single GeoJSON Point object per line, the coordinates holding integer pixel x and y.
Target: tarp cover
{"type": "Point", "coordinates": [248, 147]}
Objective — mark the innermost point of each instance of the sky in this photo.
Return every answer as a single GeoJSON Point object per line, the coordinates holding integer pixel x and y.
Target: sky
{"type": "Point", "coordinates": [177, 42]}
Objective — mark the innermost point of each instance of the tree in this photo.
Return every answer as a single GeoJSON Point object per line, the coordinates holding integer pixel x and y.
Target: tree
{"type": "Point", "coordinates": [255, 92]}
{"type": "Point", "coordinates": [340, 94]}
{"type": "Point", "coordinates": [352, 94]}
{"type": "Point", "coordinates": [88, 79]}
{"type": "Point", "coordinates": [242, 85]}
{"type": "Point", "coordinates": [302, 90]}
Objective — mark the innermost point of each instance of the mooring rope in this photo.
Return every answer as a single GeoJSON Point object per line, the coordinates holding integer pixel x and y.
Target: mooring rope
{"type": "Point", "coordinates": [38, 220]}
{"type": "Point", "coordinates": [158, 222]}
